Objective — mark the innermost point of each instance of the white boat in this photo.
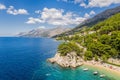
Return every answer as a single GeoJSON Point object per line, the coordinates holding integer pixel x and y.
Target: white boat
{"type": "Point", "coordinates": [95, 73]}
{"type": "Point", "coordinates": [48, 74]}
{"type": "Point", "coordinates": [86, 69]}
{"type": "Point", "coordinates": [102, 75]}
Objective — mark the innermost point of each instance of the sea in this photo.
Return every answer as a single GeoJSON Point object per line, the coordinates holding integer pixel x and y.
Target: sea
{"type": "Point", "coordinates": [25, 59]}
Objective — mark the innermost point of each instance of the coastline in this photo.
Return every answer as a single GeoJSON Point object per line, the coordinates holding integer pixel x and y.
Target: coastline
{"type": "Point", "coordinates": [100, 66]}
{"type": "Point", "coordinates": [68, 60]}
{"type": "Point", "coordinates": [71, 60]}
{"type": "Point", "coordinates": [106, 68]}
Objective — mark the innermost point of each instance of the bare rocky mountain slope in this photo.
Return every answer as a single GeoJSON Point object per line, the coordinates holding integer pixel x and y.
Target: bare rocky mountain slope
{"type": "Point", "coordinates": [39, 32]}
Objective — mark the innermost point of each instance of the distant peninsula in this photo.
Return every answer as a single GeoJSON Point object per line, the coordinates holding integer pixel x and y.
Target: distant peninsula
{"type": "Point", "coordinates": [44, 32]}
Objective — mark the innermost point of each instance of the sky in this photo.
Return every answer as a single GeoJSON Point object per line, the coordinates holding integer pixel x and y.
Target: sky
{"type": "Point", "coordinates": [23, 15]}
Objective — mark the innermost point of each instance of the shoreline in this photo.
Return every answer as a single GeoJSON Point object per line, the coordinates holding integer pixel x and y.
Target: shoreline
{"type": "Point", "coordinates": [101, 67]}
{"type": "Point", "coordinates": [72, 61]}
{"type": "Point", "coordinates": [107, 67]}
{"type": "Point", "coordinates": [67, 61]}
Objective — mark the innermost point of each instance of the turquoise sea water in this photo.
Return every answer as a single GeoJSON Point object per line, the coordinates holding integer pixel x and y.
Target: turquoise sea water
{"type": "Point", "coordinates": [25, 59]}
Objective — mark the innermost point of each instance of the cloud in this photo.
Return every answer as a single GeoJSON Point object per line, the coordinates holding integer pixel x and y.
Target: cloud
{"type": "Point", "coordinates": [38, 11]}
{"type": "Point", "coordinates": [82, 4]}
{"type": "Point", "coordinates": [78, 1]}
{"type": "Point", "coordinates": [92, 12]}
{"type": "Point", "coordinates": [32, 20]}
{"type": "Point", "coordinates": [13, 11]}
{"type": "Point", "coordinates": [2, 7]}
{"type": "Point", "coordinates": [101, 3]}
{"type": "Point", "coordinates": [93, 3]}
{"type": "Point", "coordinates": [88, 15]}
{"type": "Point", "coordinates": [71, 1]}
{"type": "Point", "coordinates": [56, 17]}
{"type": "Point", "coordinates": [41, 27]}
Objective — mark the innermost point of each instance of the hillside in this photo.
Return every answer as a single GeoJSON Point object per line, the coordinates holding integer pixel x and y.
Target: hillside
{"type": "Point", "coordinates": [92, 21]}
{"type": "Point", "coordinates": [43, 32]}
{"type": "Point", "coordinates": [100, 42]}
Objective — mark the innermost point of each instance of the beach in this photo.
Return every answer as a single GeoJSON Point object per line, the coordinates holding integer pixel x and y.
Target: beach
{"type": "Point", "coordinates": [107, 69]}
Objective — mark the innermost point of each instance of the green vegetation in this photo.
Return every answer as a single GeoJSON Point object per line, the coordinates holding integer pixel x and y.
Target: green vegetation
{"type": "Point", "coordinates": [68, 47]}
{"type": "Point", "coordinates": [111, 24]}
{"type": "Point", "coordinates": [88, 55]}
{"type": "Point", "coordinates": [103, 42]}
{"type": "Point", "coordinates": [96, 58]}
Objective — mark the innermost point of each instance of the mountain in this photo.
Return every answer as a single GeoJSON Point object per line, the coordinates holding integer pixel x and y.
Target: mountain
{"type": "Point", "coordinates": [92, 21]}
{"type": "Point", "coordinates": [41, 32]}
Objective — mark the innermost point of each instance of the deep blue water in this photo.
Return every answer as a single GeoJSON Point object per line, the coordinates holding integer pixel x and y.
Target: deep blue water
{"type": "Point", "coordinates": [25, 59]}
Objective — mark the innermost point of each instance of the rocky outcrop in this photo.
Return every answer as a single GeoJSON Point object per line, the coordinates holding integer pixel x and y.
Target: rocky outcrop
{"type": "Point", "coordinates": [70, 60]}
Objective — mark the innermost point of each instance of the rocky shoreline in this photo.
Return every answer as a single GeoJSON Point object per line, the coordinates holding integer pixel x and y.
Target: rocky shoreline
{"type": "Point", "coordinates": [70, 60]}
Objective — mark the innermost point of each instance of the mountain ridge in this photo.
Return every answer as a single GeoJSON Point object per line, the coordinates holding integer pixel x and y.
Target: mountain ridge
{"type": "Point", "coordinates": [92, 21]}
{"type": "Point", "coordinates": [41, 32]}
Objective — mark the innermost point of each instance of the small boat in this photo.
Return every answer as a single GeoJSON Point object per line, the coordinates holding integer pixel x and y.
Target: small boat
{"type": "Point", "coordinates": [86, 69]}
{"type": "Point", "coordinates": [48, 74]}
{"type": "Point", "coordinates": [95, 73]}
{"type": "Point", "coordinates": [102, 75]}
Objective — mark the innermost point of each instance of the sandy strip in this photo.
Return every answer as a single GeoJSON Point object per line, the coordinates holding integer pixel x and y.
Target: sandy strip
{"type": "Point", "coordinates": [114, 70]}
